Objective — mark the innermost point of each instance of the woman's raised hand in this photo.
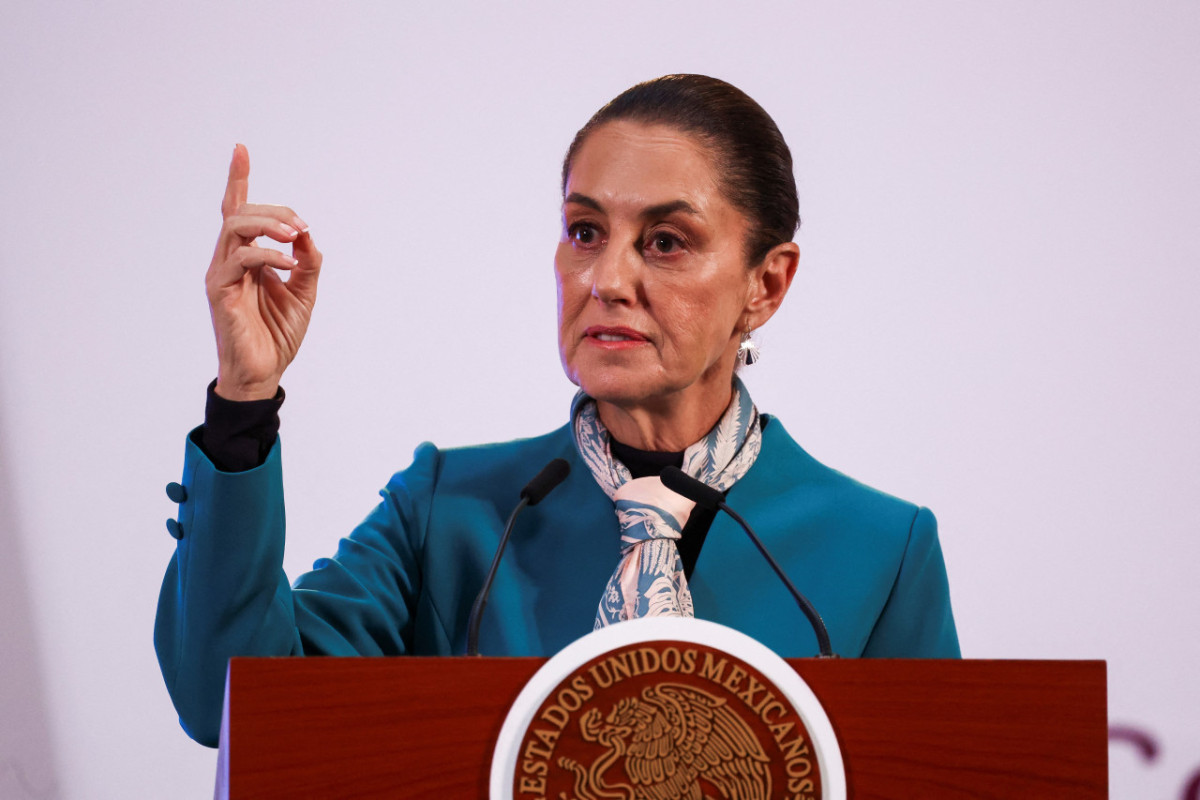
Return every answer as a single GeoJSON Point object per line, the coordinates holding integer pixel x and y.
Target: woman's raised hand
{"type": "Point", "coordinates": [259, 319]}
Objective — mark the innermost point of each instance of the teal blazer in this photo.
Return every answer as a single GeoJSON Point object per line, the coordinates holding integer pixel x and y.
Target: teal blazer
{"type": "Point", "coordinates": [404, 580]}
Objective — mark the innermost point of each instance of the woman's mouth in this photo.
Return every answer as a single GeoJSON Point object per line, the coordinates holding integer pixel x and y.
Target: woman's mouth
{"type": "Point", "coordinates": [614, 337]}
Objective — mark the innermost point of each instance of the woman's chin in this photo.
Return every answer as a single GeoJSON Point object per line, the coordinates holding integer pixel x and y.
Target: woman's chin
{"type": "Point", "coordinates": [626, 388]}
{"type": "Point", "coordinates": [620, 387]}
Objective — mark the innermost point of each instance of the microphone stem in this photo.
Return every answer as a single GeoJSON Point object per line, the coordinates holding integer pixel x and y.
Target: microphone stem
{"type": "Point", "coordinates": [809, 610]}
{"type": "Point", "coordinates": [481, 599]}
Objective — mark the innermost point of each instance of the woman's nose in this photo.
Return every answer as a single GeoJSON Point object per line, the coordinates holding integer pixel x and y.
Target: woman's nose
{"type": "Point", "coordinates": [615, 275]}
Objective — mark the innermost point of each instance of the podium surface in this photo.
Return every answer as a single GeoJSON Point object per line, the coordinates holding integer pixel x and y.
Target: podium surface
{"type": "Point", "coordinates": [427, 726]}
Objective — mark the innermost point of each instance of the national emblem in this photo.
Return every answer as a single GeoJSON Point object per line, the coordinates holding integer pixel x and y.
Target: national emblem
{"type": "Point", "coordinates": [671, 741]}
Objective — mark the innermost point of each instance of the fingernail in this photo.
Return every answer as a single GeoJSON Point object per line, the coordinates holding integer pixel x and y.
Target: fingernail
{"type": "Point", "coordinates": [288, 230]}
{"type": "Point", "coordinates": [293, 261]}
{"type": "Point", "coordinates": [301, 224]}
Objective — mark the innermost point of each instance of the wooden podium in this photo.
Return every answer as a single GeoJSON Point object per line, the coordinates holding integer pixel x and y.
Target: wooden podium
{"type": "Point", "coordinates": [426, 727]}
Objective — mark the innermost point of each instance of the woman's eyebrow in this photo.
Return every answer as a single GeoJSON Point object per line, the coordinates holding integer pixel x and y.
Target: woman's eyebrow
{"type": "Point", "coordinates": [583, 200]}
{"type": "Point", "coordinates": [666, 209]}
{"type": "Point", "coordinates": [659, 210]}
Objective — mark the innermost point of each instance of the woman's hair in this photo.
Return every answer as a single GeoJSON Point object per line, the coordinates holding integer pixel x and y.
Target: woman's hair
{"type": "Point", "coordinates": [749, 153]}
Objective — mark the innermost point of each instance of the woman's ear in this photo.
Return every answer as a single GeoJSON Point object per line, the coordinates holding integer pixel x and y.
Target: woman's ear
{"type": "Point", "coordinates": [769, 283]}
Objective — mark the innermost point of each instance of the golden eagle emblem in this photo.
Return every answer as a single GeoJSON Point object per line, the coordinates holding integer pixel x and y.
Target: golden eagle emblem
{"type": "Point", "coordinates": [675, 743]}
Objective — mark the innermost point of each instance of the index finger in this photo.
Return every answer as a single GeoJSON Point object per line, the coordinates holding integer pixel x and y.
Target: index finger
{"type": "Point", "coordinates": [239, 181]}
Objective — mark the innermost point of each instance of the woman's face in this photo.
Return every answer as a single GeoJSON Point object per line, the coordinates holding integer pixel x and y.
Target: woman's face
{"type": "Point", "coordinates": [652, 278]}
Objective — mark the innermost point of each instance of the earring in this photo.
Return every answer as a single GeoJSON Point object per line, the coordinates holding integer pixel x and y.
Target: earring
{"type": "Point", "coordinates": [747, 349]}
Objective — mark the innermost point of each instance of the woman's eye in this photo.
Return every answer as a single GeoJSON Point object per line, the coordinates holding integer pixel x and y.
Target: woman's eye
{"type": "Point", "coordinates": [664, 243]}
{"type": "Point", "coordinates": [583, 233]}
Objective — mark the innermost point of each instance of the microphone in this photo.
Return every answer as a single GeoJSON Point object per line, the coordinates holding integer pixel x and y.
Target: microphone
{"type": "Point", "coordinates": [705, 496]}
{"type": "Point", "coordinates": [534, 492]}
{"type": "Point", "coordinates": [546, 481]}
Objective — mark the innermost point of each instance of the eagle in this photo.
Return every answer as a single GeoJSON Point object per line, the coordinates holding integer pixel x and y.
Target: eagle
{"type": "Point", "coordinates": [672, 740]}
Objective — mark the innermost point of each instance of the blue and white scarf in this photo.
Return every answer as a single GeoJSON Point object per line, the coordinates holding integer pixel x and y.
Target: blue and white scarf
{"type": "Point", "coordinates": [649, 580]}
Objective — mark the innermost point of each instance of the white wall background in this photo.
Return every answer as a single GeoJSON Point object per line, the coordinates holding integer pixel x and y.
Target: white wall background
{"type": "Point", "coordinates": [996, 313]}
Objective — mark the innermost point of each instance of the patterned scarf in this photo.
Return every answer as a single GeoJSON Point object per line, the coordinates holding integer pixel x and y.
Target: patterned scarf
{"type": "Point", "coordinates": [649, 581]}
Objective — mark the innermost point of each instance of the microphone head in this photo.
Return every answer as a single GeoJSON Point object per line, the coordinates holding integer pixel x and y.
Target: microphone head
{"type": "Point", "coordinates": [544, 482]}
{"type": "Point", "coordinates": [680, 482]}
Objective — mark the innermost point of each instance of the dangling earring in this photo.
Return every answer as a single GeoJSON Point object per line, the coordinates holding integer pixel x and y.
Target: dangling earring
{"type": "Point", "coordinates": [747, 349]}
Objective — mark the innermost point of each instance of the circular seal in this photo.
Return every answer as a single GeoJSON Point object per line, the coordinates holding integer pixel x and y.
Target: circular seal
{"type": "Point", "coordinates": [661, 707]}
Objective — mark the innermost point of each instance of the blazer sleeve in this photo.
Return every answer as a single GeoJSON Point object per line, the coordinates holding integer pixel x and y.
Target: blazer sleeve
{"type": "Point", "coordinates": [917, 621]}
{"type": "Point", "coordinates": [225, 593]}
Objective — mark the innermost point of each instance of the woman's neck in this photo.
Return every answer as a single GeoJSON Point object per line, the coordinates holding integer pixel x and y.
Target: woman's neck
{"type": "Point", "coordinates": [664, 427]}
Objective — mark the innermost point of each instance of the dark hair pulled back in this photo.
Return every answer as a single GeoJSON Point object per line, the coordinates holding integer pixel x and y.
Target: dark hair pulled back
{"type": "Point", "coordinates": [750, 155]}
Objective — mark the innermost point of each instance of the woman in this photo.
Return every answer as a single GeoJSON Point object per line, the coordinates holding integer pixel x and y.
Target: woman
{"type": "Point", "coordinates": [679, 209]}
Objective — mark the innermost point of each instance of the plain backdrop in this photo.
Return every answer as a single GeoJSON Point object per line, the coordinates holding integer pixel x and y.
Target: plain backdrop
{"type": "Point", "coordinates": [996, 312]}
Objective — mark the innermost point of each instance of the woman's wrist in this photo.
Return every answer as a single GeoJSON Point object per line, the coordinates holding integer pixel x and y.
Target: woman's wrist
{"type": "Point", "coordinates": [243, 392]}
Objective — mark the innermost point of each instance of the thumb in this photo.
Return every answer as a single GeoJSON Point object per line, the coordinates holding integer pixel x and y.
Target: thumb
{"type": "Point", "coordinates": [302, 280]}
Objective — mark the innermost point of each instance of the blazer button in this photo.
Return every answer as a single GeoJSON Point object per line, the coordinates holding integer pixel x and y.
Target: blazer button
{"type": "Point", "coordinates": [176, 493]}
{"type": "Point", "coordinates": [174, 528]}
